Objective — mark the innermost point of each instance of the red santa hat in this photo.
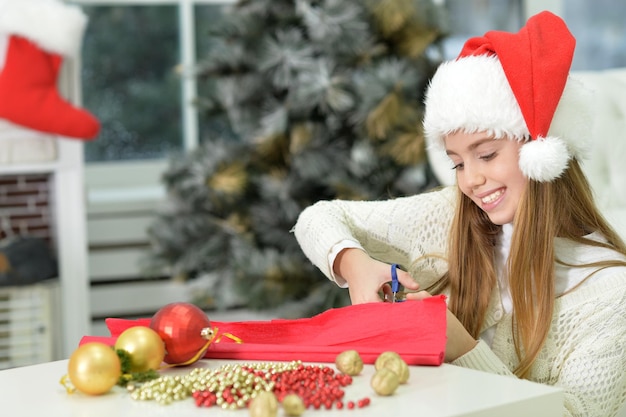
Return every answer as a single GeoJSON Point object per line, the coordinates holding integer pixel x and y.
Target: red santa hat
{"type": "Point", "coordinates": [515, 86]}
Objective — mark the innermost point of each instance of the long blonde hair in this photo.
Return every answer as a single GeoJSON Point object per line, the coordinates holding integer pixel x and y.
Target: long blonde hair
{"type": "Point", "coordinates": [561, 208]}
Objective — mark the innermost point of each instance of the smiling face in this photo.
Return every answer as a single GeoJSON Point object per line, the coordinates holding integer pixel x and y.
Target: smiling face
{"type": "Point", "coordinates": [487, 171]}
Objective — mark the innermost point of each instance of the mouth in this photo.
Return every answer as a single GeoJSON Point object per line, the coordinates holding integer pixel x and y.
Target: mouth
{"type": "Point", "coordinates": [490, 198]}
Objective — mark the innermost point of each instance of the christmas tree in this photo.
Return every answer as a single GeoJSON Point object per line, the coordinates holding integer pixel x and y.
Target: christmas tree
{"type": "Point", "coordinates": [301, 101]}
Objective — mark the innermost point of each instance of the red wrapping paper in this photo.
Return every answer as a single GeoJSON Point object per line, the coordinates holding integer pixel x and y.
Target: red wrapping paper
{"type": "Point", "coordinates": [416, 330]}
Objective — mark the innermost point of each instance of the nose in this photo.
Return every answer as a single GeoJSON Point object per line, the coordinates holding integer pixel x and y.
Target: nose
{"type": "Point", "coordinates": [472, 176]}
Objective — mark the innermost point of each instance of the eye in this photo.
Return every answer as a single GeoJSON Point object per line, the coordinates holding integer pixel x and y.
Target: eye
{"type": "Point", "coordinates": [457, 166]}
{"type": "Point", "coordinates": [488, 157]}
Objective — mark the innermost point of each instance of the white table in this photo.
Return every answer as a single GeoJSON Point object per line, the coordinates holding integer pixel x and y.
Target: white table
{"type": "Point", "coordinates": [443, 391]}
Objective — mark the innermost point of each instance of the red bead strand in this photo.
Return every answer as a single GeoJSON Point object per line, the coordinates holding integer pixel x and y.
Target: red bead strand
{"type": "Point", "coordinates": [318, 387]}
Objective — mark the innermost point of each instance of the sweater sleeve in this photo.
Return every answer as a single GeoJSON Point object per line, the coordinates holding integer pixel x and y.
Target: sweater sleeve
{"type": "Point", "coordinates": [590, 362]}
{"type": "Point", "coordinates": [482, 358]}
{"type": "Point", "coordinates": [400, 230]}
{"type": "Point", "coordinates": [584, 355]}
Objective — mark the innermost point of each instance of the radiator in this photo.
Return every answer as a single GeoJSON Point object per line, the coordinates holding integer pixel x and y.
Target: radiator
{"type": "Point", "coordinates": [29, 324]}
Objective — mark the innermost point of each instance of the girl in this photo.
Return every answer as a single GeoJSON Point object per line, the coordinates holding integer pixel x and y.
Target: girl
{"type": "Point", "coordinates": [535, 277]}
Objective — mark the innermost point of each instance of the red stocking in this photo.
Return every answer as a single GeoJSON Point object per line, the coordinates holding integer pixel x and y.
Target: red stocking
{"type": "Point", "coordinates": [29, 95]}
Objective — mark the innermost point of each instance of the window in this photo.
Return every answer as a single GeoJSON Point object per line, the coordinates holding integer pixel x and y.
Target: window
{"type": "Point", "coordinates": [133, 88]}
{"type": "Point", "coordinates": [137, 78]}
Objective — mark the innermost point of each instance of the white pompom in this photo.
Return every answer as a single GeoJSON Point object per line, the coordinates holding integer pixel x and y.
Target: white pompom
{"type": "Point", "coordinates": [544, 159]}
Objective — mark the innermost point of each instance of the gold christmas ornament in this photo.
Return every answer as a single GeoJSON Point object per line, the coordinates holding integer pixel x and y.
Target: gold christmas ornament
{"type": "Point", "coordinates": [395, 363]}
{"type": "Point", "coordinates": [293, 405]}
{"type": "Point", "coordinates": [144, 346]}
{"type": "Point", "coordinates": [385, 381]}
{"type": "Point", "coordinates": [383, 357]}
{"type": "Point", "coordinates": [349, 362]}
{"type": "Point", "coordinates": [264, 404]}
{"type": "Point", "coordinates": [94, 368]}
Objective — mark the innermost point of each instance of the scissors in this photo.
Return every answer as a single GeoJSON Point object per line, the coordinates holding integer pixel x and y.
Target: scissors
{"type": "Point", "coordinates": [395, 285]}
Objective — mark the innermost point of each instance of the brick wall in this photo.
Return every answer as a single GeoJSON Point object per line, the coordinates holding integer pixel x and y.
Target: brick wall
{"type": "Point", "coordinates": [25, 206]}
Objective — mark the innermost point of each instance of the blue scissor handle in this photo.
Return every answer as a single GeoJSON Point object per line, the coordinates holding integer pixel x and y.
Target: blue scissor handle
{"type": "Point", "coordinates": [395, 286]}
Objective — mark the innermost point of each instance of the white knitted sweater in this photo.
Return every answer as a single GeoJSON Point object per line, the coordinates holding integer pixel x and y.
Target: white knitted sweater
{"type": "Point", "coordinates": [585, 352]}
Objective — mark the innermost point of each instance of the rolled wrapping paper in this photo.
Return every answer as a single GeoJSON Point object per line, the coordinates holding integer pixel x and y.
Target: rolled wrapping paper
{"type": "Point", "coordinates": [416, 330]}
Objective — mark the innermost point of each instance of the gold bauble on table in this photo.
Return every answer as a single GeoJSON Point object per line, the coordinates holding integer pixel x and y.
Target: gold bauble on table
{"type": "Point", "coordinates": [144, 346]}
{"type": "Point", "coordinates": [94, 368]}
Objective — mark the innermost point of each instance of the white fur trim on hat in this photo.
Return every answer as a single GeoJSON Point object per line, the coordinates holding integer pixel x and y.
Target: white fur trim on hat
{"type": "Point", "coordinates": [471, 94]}
{"type": "Point", "coordinates": [51, 24]}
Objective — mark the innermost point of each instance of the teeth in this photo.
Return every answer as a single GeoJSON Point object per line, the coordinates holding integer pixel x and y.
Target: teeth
{"type": "Point", "coordinates": [492, 197]}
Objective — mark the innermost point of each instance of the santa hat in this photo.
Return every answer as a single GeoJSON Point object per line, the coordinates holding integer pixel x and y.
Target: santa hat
{"type": "Point", "coordinates": [515, 86]}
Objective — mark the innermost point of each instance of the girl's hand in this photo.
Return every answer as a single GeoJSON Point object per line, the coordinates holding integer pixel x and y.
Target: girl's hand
{"type": "Point", "coordinates": [366, 277]}
{"type": "Point", "coordinates": [459, 341]}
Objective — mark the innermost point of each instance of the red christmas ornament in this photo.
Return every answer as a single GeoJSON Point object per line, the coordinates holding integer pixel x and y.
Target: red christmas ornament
{"type": "Point", "coordinates": [185, 330]}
